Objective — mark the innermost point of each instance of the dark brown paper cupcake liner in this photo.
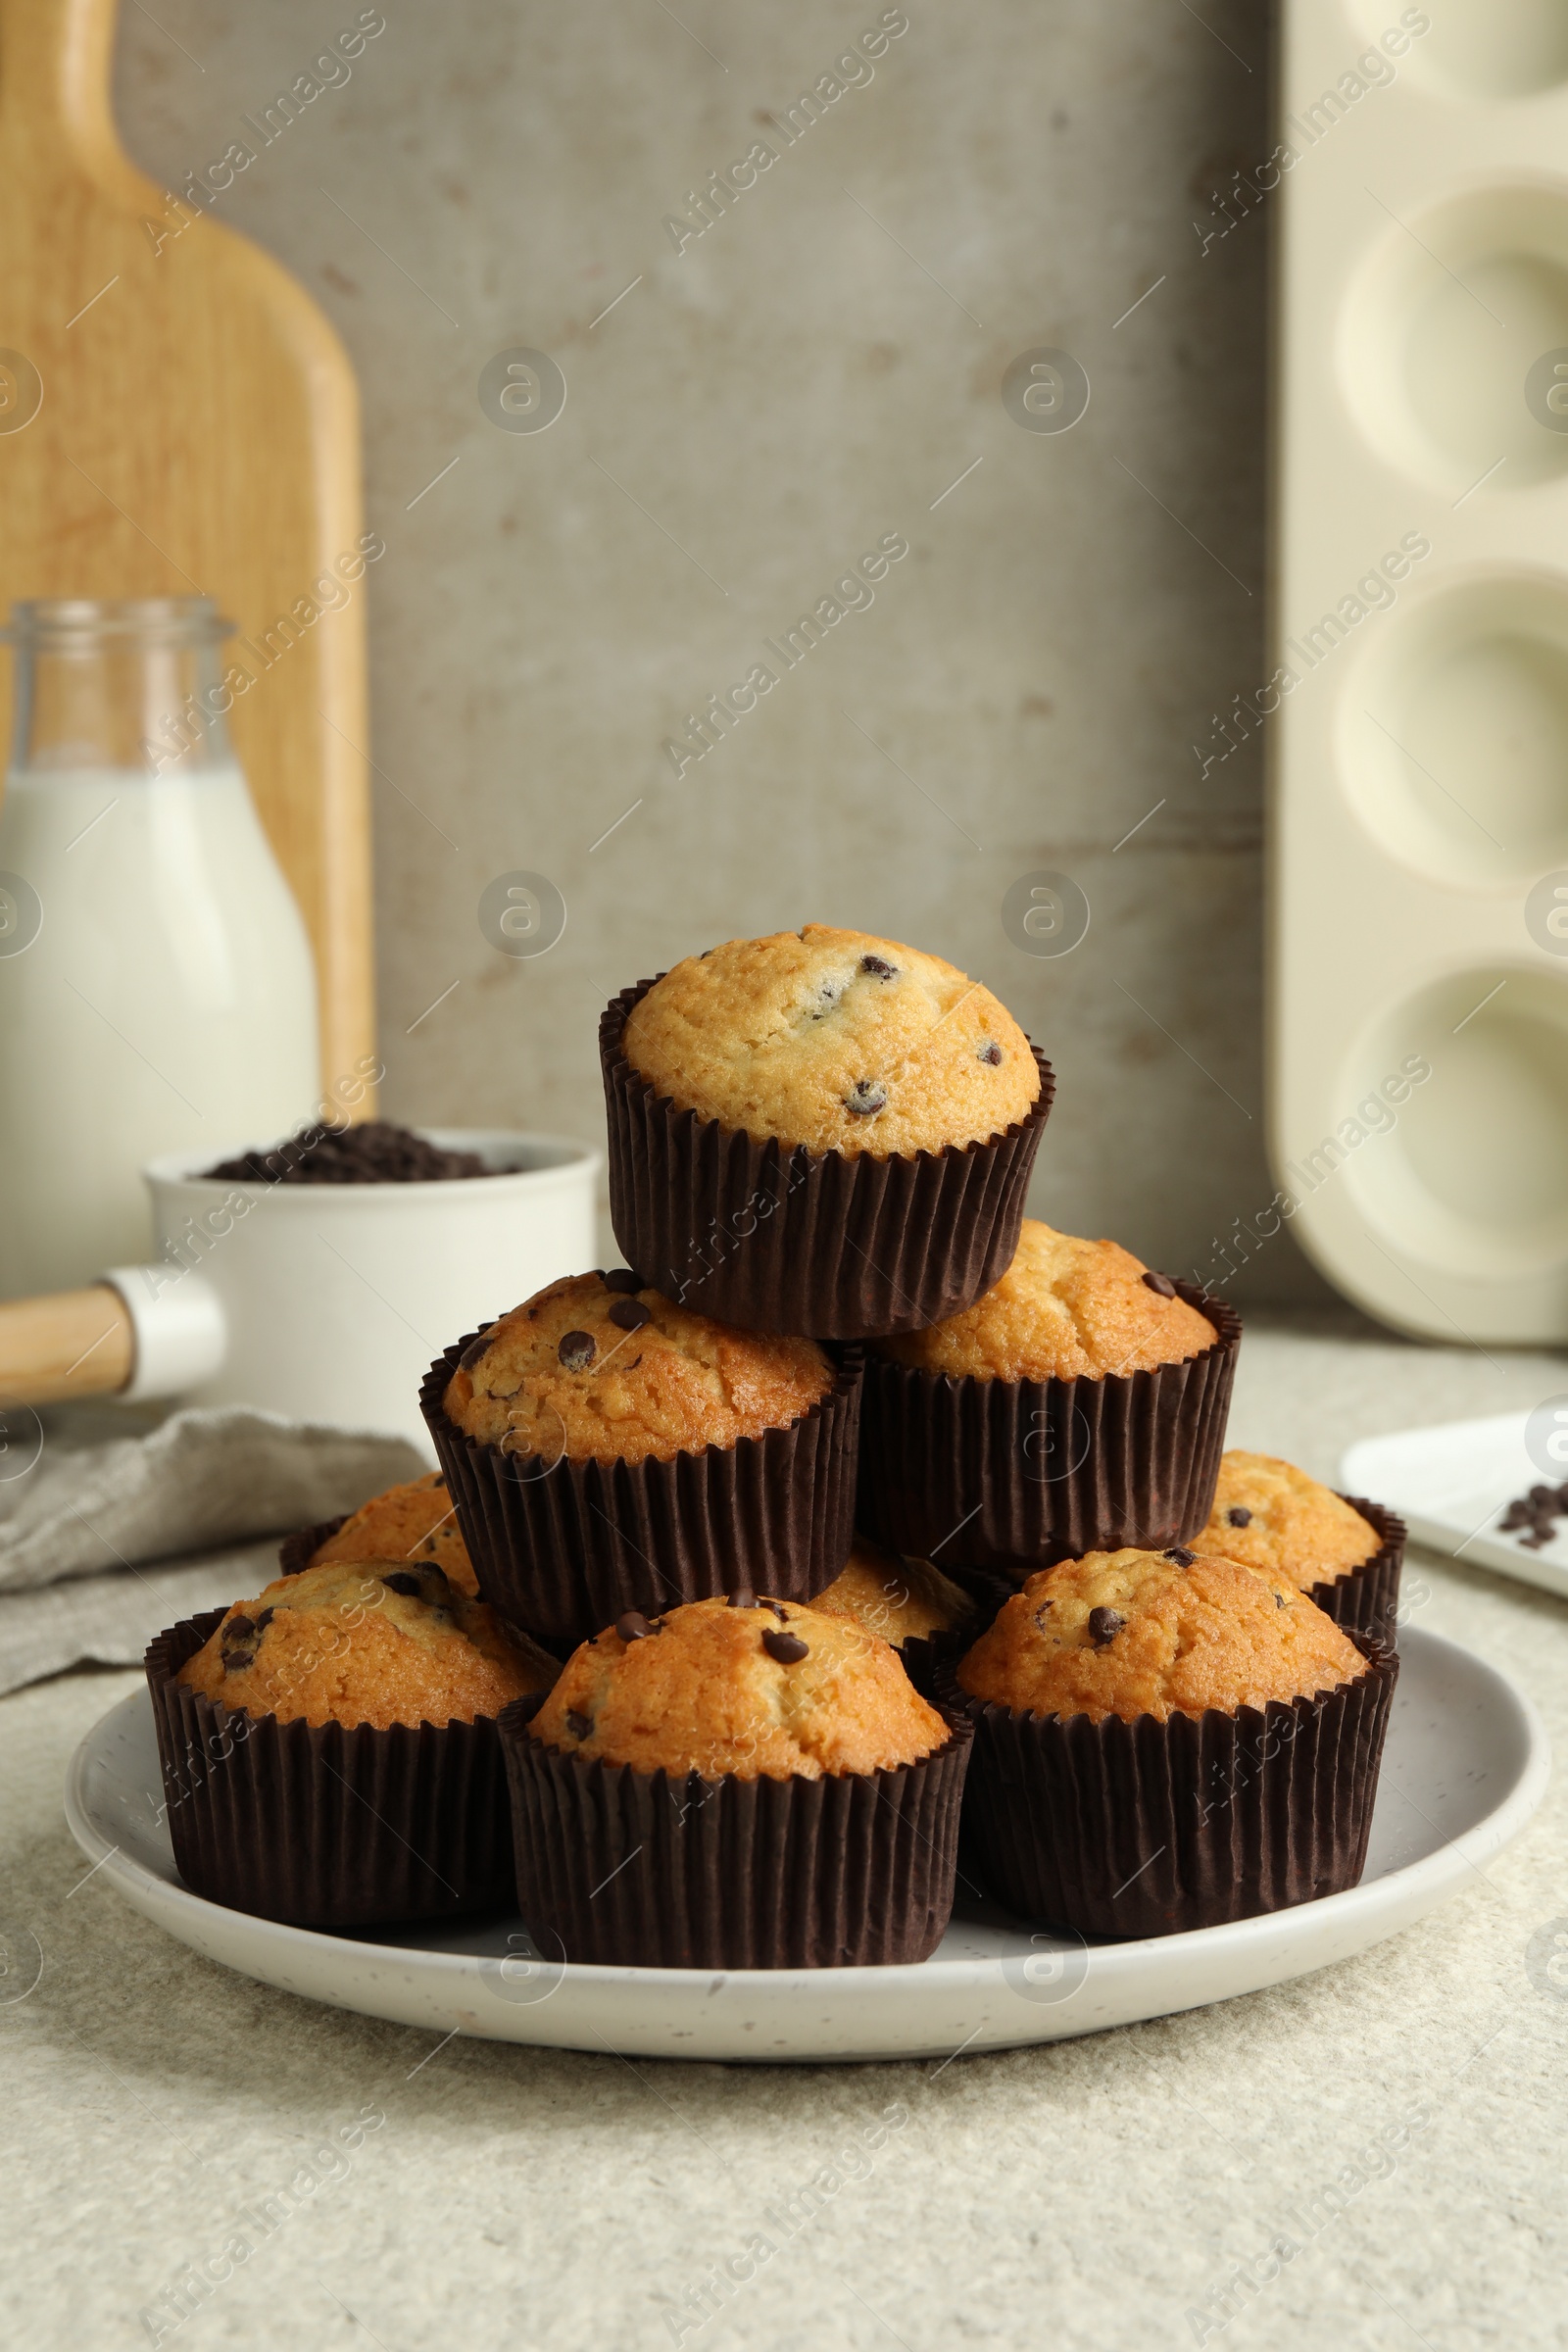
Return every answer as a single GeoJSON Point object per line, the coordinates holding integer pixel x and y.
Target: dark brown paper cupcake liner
{"type": "Point", "coordinates": [1139, 1828]}
{"type": "Point", "coordinates": [1017, 1475]}
{"type": "Point", "coordinates": [777, 1237]}
{"type": "Point", "coordinates": [332, 1827]}
{"type": "Point", "coordinates": [1366, 1599]}
{"type": "Point", "coordinates": [562, 1548]}
{"type": "Point", "coordinates": [988, 1587]}
{"type": "Point", "coordinates": [647, 1870]}
{"type": "Point", "coordinates": [294, 1553]}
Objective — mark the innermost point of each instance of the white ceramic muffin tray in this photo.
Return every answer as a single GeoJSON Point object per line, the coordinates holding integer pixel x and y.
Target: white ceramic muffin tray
{"type": "Point", "coordinates": [1419, 759]}
{"type": "Point", "coordinates": [1465, 1766]}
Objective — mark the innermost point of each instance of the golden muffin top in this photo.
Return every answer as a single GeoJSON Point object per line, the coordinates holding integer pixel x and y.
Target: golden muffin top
{"type": "Point", "coordinates": [900, 1600]}
{"type": "Point", "coordinates": [1065, 1309]}
{"type": "Point", "coordinates": [1155, 1632]}
{"type": "Point", "coordinates": [602, 1368]}
{"type": "Point", "coordinates": [415, 1521]}
{"type": "Point", "coordinates": [1272, 1517]}
{"type": "Point", "coordinates": [376, 1641]}
{"type": "Point", "coordinates": [754, 1687]}
{"type": "Point", "coordinates": [834, 1040]}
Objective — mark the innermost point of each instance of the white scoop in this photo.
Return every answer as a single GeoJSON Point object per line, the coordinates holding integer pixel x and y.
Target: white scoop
{"type": "Point", "coordinates": [322, 1301]}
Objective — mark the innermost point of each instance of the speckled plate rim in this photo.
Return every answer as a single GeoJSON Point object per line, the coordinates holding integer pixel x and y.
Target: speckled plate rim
{"type": "Point", "coordinates": [1466, 1765]}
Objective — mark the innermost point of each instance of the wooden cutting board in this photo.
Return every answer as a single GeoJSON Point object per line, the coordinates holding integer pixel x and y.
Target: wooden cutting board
{"type": "Point", "coordinates": [196, 432]}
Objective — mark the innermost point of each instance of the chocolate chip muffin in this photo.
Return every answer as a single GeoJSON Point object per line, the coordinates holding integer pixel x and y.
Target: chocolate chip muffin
{"type": "Point", "coordinates": [899, 1600]}
{"type": "Point", "coordinates": [736, 1784]}
{"type": "Point", "coordinates": [372, 1641]}
{"type": "Point", "coordinates": [600, 1368]}
{"type": "Point", "coordinates": [1146, 1633]}
{"type": "Point", "coordinates": [608, 1450]}
{"type": "Point", "coordinates": [1345, 1555]}
{"type": "Point", "coordinates": [1164, 1740]}
{"type": "Point", "coordinates": [330, 1749]}
{"type": "Point", "coordinates": [822, 1131]}
{"type": "Point", "coordinates": [415, 1521]}
{"type": "Point", "coordinates": [1078, 1405]}
{"type": "Point", "coordinates": [834, 1040]}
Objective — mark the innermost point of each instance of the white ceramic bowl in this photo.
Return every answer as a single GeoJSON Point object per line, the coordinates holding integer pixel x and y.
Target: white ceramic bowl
{"type": "Point", "coordinates": [329, 1301]}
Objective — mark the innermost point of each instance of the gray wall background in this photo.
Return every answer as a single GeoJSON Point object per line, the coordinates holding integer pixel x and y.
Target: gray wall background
{"type": "Point", "coordinates": [813, 373]}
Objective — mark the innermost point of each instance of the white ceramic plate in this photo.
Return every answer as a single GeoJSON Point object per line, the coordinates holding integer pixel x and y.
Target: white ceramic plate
{"type": "Point", "coordinates": [1465, 1766]}
{"type": "Point", "coordinates": [1451, 1484]}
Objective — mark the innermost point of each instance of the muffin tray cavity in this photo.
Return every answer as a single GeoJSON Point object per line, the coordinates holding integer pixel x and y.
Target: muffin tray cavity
{"type": "Point", "coordinates": [1464, 1766]}
{"type": "Point", "coordinates": [1416, 710]}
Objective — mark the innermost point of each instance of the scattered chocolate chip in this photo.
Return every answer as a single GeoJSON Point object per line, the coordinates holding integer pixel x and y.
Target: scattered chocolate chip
{"type": "Point", "coordinates": [235, 1661]}
{"type": "Point", "coordinates": [1180, 1556]}
{"type": "Point", "coordinates": [621, 1278]}
{"type": "Point", "coordinates": [474, 1350]}
{"type": "Point", "coordinates": [1279, 1600]}
{"type": "Point", "coordinates": [633, 1626]}
{"type": "Point", "coordinates": [579, 1726]}
{"type": "Point", "coordinates": [1041, 1614]}
{"type": "Point", "coordinates": [1161, 1283]}
{"type": "Point", "coordinates": [991, 1054]}
{"type": "Point", "coordinates": [866, 1098]}
{"type": "Point", "coordinates": [1537, 1510]}
{"type": "Point", "coordinates": [401, 1581]}
{"type": "Point", "coordinates": [238, 1627]}
{"type": "Point", "coordinates": [1104, 1625]}
{"type": "Point", "coordinates": [630, 1314]}
{"type": "Point", "coordinates": [264, 1620]}
{"type": "Point", "coordinates": [788, 1649]}
{"type": "Point", "coordinates": [778, 1609]}
{"type": "Point", "coordinates": [879, 967]}
{"type": "Point", "coordinates": [1239, 1515]}
{"type": "Point", "coordinates": [576, 1350]}
{"type": "Point", "coordinates": [742, 1597]}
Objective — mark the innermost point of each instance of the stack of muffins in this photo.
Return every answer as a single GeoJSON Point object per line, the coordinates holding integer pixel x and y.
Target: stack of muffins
{"type": "Point", "coordinates": [624, 1660]}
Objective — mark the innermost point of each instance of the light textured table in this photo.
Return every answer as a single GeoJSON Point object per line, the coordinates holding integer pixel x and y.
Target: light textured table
{"type": "Point", "coordinates": [1090, 2193]}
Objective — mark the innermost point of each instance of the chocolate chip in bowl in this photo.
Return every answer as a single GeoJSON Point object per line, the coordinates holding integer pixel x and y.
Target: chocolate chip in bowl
{"type": "Point", "coordinates": [375, 1151]}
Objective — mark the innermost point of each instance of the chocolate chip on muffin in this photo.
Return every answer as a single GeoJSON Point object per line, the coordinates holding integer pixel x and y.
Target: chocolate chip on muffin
{"type": "Point", "coordinates": [836, 1041]}
{"type": "Point", "coordinates": [690, 1383]}
{"type": "Point", "coordinates": [1065, 1309]}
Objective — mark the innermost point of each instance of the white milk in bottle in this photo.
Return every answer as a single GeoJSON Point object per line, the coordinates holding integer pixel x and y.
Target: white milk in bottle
{"type": "Point", "coordinates": [157, 990]}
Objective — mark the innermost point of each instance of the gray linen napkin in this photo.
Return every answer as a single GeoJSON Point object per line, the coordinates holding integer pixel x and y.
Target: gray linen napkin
{"type": "Point", "coordinates": [106, 1540]}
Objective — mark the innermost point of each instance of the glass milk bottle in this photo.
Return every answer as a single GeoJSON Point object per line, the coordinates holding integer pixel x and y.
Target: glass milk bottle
{"type": "Point", "coordinates": [157, 992]}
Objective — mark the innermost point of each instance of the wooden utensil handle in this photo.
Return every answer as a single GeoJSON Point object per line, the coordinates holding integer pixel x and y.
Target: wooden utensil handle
{"type": "Point", "coordinates": [74, 1344]}
{"type": "Point", "coordinates": [55, 60]}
